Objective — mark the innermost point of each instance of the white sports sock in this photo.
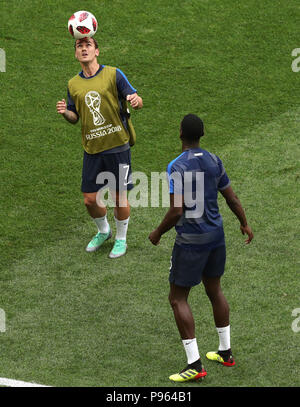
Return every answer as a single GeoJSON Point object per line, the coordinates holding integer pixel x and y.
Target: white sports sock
{"type": "Point", "coordinates": [121, 226]}
{"type": "Point", "coordinates": [102, 224]}
{"type": "Point", "coordinates": [224, 337]}
{"type": "Point", "coordinates": [191, 350]}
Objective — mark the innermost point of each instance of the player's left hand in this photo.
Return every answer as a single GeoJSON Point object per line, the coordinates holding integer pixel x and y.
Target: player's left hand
{"type": "Point", "coordinates": [133, 100]}
{"type": "Point", "coordinates": [247, 230]}
{"type": "Point", "coordinates": [154, 237]}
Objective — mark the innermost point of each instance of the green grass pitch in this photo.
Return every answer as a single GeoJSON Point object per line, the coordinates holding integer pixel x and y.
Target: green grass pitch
{"type": "Point", "coordinates": [78, 319]}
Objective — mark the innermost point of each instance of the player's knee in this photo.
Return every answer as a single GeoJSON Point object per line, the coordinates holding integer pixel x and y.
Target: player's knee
{"type": "Point", "coordinates": [212, 293]}
{"type": "Point", "coordinates": [215, 294]}
{"type": "Point", "coordinates": [174, 302]}
{"type": "Point", "coordinates": [212, 287]}
{"type": "Point", "coordinates": [90, 201]}
{"type": "Point", "coordinates": [209, 292]}
{"type": "Point", "coordinates": [121, 201]}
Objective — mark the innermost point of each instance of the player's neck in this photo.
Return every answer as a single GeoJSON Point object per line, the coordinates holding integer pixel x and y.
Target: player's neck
{"type": "Point", "coordinates": [189, 146]}
{"type": "Point", "coordinates": [90, 69]}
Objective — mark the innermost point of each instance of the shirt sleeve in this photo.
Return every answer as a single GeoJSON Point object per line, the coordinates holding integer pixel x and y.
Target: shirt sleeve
{"type": "Point", "coordinates": [223, 180]}
{"type": "Point", "coordinates": [175, 179]}
{"type": "Point", "coordinates": [71, 105]}
{"type": "Point", "coordinates": [123, 85]}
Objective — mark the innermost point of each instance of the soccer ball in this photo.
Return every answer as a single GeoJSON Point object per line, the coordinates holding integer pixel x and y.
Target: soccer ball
{"type": "Point", "coordinates": [82, 24]}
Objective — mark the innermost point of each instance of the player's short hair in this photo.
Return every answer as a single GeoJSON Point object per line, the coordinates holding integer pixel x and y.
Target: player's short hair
{"type": "Point", "coordinates": [192, 128]}
{"type": "Point", "coordinates": [92, 38]}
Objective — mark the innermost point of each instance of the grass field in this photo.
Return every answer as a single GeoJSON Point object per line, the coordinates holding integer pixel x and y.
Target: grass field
{"type": "Point", "coordinates": [78, 319]}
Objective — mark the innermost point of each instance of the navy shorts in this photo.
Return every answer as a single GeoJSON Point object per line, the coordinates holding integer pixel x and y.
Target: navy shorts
{"type": "Point", "coordinates": [112, 170]}
{"type": "Point", "coordinates": [189, 265]}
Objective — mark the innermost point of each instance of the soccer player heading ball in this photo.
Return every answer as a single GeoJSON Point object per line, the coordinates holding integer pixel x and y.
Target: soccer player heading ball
{"type": "Point", "coordinates": [98, 96]}
{"type": "Point", "coordinates": [199, 250]}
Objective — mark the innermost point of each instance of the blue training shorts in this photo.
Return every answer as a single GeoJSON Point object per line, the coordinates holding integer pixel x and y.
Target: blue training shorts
{"type": "Point", "coordinates": [116, 165]}
{"type": "Point", "coordinates": [189, 265]}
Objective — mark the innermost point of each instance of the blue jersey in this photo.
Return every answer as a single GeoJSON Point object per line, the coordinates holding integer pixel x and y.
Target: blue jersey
{"type": "Point", "coordinates": [198, 175]}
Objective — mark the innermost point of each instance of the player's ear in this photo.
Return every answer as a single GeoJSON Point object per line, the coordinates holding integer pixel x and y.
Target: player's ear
{"type": "Point", "coordinates": [97, 52]}
{"type": "Point", "coordinates": [75, 53]}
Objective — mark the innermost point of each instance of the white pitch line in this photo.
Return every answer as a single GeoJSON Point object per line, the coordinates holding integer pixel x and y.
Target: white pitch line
{"type": "Point", "coordinates": [18, 383]}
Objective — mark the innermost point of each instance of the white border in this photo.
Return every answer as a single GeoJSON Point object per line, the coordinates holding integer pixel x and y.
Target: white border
{"type": "Point", "coordinates": [18, 383]}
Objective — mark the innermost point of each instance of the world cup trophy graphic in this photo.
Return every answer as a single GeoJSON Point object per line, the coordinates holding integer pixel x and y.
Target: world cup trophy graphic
{"type": "Point", "coordinates": [93, 101]}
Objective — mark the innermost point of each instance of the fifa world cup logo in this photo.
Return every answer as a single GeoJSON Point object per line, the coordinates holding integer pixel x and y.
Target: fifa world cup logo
{"type": "Point", "coordinates": [93, 101]}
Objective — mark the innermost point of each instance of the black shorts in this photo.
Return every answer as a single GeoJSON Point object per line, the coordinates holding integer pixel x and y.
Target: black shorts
{"type": "Point", "coordinates": [112, 170]}
{"type": "Point", "coordinates": [189, 265]}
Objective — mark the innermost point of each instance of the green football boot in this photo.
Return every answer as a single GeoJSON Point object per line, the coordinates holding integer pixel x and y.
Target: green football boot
{"type": "Point", "coordinates": [98, 241]}
{"type": "Point", "coordinates": [119, 249]}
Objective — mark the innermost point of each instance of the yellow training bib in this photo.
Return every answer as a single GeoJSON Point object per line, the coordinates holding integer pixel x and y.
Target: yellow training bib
{"type": "Point", "coordinates": [96, 101]}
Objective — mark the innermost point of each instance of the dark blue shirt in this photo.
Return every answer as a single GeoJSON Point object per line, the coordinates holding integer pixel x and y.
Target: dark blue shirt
{"type": "Point", "coordinates": [198, 175]}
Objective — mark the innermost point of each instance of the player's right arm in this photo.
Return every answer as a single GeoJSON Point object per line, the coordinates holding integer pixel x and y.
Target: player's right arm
{"type": "Point", "coordinates": [236, 207]}
{"type": "Point", "coordinates": [70, 116]}
{"type": "Point", "coordinates": [170, 220]}
{"type": "Point", "coordinates": [176, 204]}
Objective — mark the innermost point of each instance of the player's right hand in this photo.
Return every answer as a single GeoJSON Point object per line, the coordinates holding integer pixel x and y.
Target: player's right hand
{"type": "Point", "coordinates": [61, 106]}
{"type": "Point", "coordinates": [154, 237]}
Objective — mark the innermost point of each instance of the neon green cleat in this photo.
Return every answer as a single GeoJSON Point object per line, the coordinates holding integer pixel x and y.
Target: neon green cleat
{"type": "Point", "coordinates": [223, 357]}
{"type": "Point", "coordinates": [119, 249]}
{"type": "Point", "coordinates": [188, 374]}
{"type": "Point", "coordinates": [98, 241]}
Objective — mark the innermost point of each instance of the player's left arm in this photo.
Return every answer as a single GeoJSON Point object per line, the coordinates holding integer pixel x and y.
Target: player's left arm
{"type": "Point", "coordinates": [233, 202]}
{"type": "Point", "coordinates": [127, 91]}
{"type": "Point", "coordinates": [235, 205]}
{"type": "Point", "coordinates": [171, 218]}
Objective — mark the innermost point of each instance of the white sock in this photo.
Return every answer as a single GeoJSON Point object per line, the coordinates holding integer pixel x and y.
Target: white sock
{"type": "Point", "coordinates": [121, 226]}
{"type": "Point", "coordinates": [191, 350]}
{"type": "Point", "coordinates": [224, 337]}
{"type": "Point", "coordinates": [102, 224]}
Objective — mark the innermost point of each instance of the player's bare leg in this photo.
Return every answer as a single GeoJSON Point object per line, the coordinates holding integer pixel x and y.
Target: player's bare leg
{"type": "Point", "coordinates": [221, 316]}
{"type": "Point", "coordinates": [122, 207]}
{"type": "Point", "coordinates": [92, 201]}
{"type": "Point", "coordinates": [218, 301]}
{"type": "Point", "coordinates": [97, 211]}
{"type": "Point", "coordinates": [178, 298]}
{"type": "Point", "coordinates": [122, 215]}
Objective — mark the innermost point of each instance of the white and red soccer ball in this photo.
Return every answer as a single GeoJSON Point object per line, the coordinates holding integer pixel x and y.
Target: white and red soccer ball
{"type": "Point", "coordinates": [82, 24]}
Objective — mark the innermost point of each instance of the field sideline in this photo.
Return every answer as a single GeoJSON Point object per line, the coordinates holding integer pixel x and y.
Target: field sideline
{"type": "Point", "coordinates": [76, 320]}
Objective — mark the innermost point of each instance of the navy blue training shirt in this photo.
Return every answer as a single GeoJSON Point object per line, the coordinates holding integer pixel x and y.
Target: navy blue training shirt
{"type": "Point", "coordinates": [198, 175]}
